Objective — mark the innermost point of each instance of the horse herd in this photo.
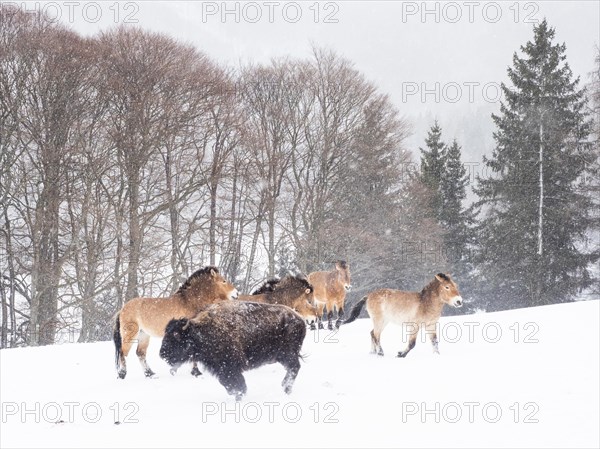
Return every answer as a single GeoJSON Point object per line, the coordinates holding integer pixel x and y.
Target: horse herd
{"type": "Point", "coordinates": [206, 321]}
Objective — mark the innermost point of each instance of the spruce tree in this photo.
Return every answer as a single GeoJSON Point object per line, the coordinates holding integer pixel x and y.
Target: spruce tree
{"type": "Point", "coordinates": [456, 220]}
{"type": "Point", "coordinates": [445, 178]}
{"type": "Point", "coordinates": [432, 168]}
{"type": "Point", "coordinates": [536, 213]}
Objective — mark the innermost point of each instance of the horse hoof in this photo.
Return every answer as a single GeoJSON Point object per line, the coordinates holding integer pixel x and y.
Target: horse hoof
{"type": "Point", "coordinates": [338, 323]}
{"type": "Point", "coordinates": [238, 397]}
{"type": "Point", "coordinates": [173, 371]}
{"type": "Point", "coordinates": [196, 372]}
{"type": "Point", "coordinates": [149, 373]}
{"type": "Point", "coordinates": [330, 327]}
{"type": "Point", "coordinates": [288, 389]}
{"type": "Point", "coordinates": [122, 374]}
{"type": "Point", "coordinates": [401, 355]}
{"type": "Point", "coordinates": [313, 327]}
{"type": "Point", "coordinates": [321, 326]}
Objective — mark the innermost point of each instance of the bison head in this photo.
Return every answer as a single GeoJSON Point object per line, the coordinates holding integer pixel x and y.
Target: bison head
{"type": "Point", "coordinates": [178, 344]}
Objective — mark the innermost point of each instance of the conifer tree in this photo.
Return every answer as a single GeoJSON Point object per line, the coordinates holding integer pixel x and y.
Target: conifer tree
{"type": "Point", "coordinates": [432, 168]}
{"type": "Point", "coordinates": [456, 220]}
{"type": "Point", "coordinates": [536, 215]}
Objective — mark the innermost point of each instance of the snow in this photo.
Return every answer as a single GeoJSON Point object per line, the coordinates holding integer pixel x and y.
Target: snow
{"type": "Point", "coordinates": [542, 371]}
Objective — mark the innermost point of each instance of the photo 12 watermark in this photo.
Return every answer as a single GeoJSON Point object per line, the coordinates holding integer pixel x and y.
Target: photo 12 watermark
{"type": "Point", "coordinates": [71, 12]}
{"type": "Point", "coordinates": [70, 412]}
{"type": "Point", "coordinates": [270, 412]}
{"type": "Point", "coordinates": [470, 12]}
{"type": "Point", "coordinates": [470, 412]}
{"type": "Point", "coordinates": [451, 91]}
{"type": "Point", "coordinates": [474, 332]}
{"type": "Point", "coordinates": [270, 12]}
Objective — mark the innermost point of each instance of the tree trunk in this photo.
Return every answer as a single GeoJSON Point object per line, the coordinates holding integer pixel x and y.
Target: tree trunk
{"type": "Point", "coordinates": [212, 232]}
{"type": "Point", "coordinates": [272, 238]}
{"type": "Point", "coordinates": [253, 247]}
{"type": "Point", "coordinates": [134, 237]}
{"type": "Point", "coordinates": [541, 187]}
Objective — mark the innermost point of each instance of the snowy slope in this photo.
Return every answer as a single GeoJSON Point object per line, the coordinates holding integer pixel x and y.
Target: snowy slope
{"type": "Point", "coordinates": [536, 386]}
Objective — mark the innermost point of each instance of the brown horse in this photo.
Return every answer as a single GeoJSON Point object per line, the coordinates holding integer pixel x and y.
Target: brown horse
{"type": "Point", "coordinates": [416, 309]}
{"type": "Point", "coordinates": [142, 318]}
{"type": "Point", "coordinates": [330, 291]}
{"type": "Point", "coordinates": [292, 291]}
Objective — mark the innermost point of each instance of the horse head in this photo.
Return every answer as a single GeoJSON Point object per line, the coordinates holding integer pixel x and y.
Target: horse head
{"type": "Point", "coordinates": [296, 292]}
{"type": "Point", "coordinates": [343, 270]}
{"type": "Point", "coordinates": [207, 285]}
{"type": "Point", "coordinates": [448, 290]}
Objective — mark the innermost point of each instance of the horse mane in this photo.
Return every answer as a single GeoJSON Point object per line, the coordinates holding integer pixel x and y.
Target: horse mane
{"type": "Point", "coordinates": [194, 278]}
{"type": "Point", "coordinates": [432, 286]}
{"type": "Point", "coordinates": [289, 281]}
{"type": "Point", "coordinates": [268, 286]}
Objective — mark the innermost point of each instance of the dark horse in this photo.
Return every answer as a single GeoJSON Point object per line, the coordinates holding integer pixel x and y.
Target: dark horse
{"type": "Point", "coordinates": [231, 337]}
{"type": "Point", "coordinates": [292, 291]}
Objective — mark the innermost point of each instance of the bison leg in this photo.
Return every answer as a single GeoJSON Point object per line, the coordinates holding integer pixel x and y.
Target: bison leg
{"type": "Point", "coordinates": [142, 347]}
{"type": "Point", "coordinates": [292, 366]}
{"type": "Point", "coordinates": [234, 383]}
{"type": "Point", "coordinates": [195, 371]}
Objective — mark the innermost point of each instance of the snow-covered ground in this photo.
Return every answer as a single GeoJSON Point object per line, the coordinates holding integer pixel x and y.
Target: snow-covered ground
{"type": "Point", "coordinates": [526, 378]}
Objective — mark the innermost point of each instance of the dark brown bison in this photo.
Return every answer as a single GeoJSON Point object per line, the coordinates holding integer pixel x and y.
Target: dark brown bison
{"type": "Point", "coordinates": [231, 337]}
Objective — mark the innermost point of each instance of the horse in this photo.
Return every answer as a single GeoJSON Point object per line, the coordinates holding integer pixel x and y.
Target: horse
{"type": "Point", "coordinates": [231, 337]}
{"type": "Point", "coordinates": [416, 309]}
{"type": "Point", "coordinates": [267, 286]}
{"type": "Point", "coordinates": [142, 318]}
{"type": "Point", "coordinates": [330, 291]}
{"type": "Point", "coordinates": [292, 291]}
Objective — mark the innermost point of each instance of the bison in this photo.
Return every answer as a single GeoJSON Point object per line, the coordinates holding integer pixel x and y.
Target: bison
{"type": "Point", "coordinates": [231, 337]}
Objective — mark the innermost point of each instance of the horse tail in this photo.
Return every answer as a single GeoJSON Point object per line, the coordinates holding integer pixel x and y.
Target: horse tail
{"type": "Point", "coordinates": [356, 310]}
{"type": "Point", "coordinates": [117, 339]}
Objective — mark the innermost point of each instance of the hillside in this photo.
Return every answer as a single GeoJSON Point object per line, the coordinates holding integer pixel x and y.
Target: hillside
{"type": "Point", "coordinates": [536, 386]}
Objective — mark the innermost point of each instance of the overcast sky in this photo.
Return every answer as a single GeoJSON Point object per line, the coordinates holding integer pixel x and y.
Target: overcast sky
{"type": "Point", "coordinates": [435, 59]}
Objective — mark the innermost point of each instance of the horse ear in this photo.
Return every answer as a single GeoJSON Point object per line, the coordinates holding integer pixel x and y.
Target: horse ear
{"type": "Point", "coordinates": [213, 272]}
{"type": "Point", "coordinates": [440, 277]}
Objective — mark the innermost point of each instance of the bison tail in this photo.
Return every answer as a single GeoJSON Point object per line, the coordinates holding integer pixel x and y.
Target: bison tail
{"type": "Point", "coordinates": [118, 341]}
{"type": "Point", "coordinates": [356, 310]}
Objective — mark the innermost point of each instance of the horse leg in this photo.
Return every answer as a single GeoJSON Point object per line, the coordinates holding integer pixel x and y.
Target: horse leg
{"type": "Point", "coordinates": [129, 332]}
{"type": "Point", "coordinates": [319, 306]}
{"type": "Point", "coordinates": [142, 347]}
{"type": "Point", "coordinates": [340, 310]}
{"type": "Point", "coordinates": [195, 371]}
{"type": "Point", "coordinates": [412, 341]}
{"type": "Point", "coordinates": [378, 327]}
{"type": "Point", "coordinates": [329, 318]}
{"type": "Point", "coordinates": [431, 330]}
